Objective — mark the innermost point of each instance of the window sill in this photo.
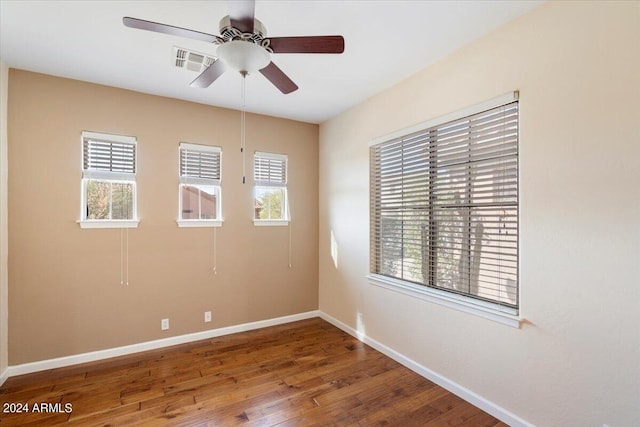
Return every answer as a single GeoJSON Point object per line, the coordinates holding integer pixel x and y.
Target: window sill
{"type": "Point", "coordinates": [87, 223]}
{"type": "Point", "coordinates": [505, 315]}
{"type": "Point", "coordinates": [270, 223]}
{"type": "Point", "coordinates": [190, 223]}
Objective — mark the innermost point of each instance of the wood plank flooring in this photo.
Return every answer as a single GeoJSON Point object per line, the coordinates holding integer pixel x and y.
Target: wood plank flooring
{"type": "Point", "coordinates": [306, 373]}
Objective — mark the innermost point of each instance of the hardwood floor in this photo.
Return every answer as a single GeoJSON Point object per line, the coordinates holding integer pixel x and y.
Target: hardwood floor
{"type": "Point", "coordinates": [306, 373]}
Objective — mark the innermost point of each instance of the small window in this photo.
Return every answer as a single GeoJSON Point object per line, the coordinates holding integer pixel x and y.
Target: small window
{"type": "Point", "coordinates": [108, 181]}
{"type": "Point", "coordinates": [270, 178]}
{"type": "Point", "coordinates": [199, 193]}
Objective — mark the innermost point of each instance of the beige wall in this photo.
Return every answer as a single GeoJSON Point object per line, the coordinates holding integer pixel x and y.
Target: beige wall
{"type": "Point", "coordinates": [4, 76]}
{"type": "Point", "coordinates": [66, 296]}
{"type": "Point", "coordinates": [575, 361]}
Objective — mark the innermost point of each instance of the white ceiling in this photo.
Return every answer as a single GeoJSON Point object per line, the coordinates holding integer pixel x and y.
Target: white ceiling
{"type": "Point", "coordinates": [385, 42]}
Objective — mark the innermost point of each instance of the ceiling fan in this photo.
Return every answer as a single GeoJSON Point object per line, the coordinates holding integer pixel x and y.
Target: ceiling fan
{"type": "Point", "coordinates": [243, 45]}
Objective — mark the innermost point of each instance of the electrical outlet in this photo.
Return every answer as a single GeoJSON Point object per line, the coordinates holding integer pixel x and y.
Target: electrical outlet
{"type": "Point", "coordinates": [164, 324]}
{"type": "Point", "coordinates": [207, 316]}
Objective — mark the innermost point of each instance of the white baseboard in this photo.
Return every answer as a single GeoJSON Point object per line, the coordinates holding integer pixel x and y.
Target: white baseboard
{"type": "Point", "coordinates": [455, 388]}
{"type": "Point", "coordinates": [75, 359]}
{"type": "Point", "coordinates": [3, 376]}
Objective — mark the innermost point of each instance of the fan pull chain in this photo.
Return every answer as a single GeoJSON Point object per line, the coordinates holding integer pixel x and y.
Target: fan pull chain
{"type": "Point", "coordinates": [243, 121]}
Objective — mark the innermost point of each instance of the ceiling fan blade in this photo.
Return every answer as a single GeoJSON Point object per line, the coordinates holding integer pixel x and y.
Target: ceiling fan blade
{"type": "Point", "coordinates": [242, 14]}
{"type": "Point", "coordinates": [209, 75]}
{"type": "Point", "coordinates": [141, 24]}
{"type": "Point", "coordinates": [279, 79]}
{"type": "Point", "coordinates": [310, 44]}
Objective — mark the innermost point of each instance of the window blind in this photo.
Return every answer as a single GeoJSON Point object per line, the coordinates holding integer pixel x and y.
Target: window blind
{"type": "Point", "coordinates": [199, 164]}
{"type": "Point", "coordinates": [444, 206]}
{"type": "Point", "coordinates": [108, 156]}
{"type": "Point", "coordinates": [270, 169]}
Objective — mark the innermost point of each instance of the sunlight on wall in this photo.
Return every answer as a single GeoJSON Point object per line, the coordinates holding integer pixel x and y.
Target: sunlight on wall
{"type": "Point", "coordinates": [334, 250]}
{"type": "Point", "coordinates": [361, 331]}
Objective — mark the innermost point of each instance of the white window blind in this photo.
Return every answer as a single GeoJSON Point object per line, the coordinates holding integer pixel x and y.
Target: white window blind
{"type": "Point", "coordinates": [108, 156]}
{"type": "Point", "coordinates": [444, 206]}
{"type": "Point", "coordinates": [270, 169]}
{"type": "Point", "coordinates": [199, 164]}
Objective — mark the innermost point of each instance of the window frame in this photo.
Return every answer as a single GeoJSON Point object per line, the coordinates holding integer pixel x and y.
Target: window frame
{"type": "Point", "coordinates": [281, 185]}
{"type": "Point", "coordinates": [110, 177]}
{"type": "Point", "coordinates": [486, 309]}
{"type": "Point", "coordinates": [186, 180]}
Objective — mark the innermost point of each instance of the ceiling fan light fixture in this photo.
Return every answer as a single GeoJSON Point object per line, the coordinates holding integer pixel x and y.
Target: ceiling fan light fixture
{"type": "Point", "coordinates": [244, 56]}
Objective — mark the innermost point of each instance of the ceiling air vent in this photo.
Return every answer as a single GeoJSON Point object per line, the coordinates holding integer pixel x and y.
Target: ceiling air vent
{"type": "Point", "coordinates": [190, 60]}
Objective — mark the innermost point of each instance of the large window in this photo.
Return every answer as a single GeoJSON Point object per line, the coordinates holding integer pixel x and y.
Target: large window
{"type": "Point", "coordinates": [108, 180]}
{"type": "Point", "coordinates": [270, 178]}
{"type": "Point", "coordinates": [199, 202]}
{"type": "Point", "coordinates": [444, 207]}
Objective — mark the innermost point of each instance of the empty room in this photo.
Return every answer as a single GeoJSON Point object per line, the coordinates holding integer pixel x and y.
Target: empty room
{"type": "Point", "coordinates": [316, 213]}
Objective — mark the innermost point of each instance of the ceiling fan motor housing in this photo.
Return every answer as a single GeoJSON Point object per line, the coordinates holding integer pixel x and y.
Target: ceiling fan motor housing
{"type": "Point", "coordinates": [229, 32]}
